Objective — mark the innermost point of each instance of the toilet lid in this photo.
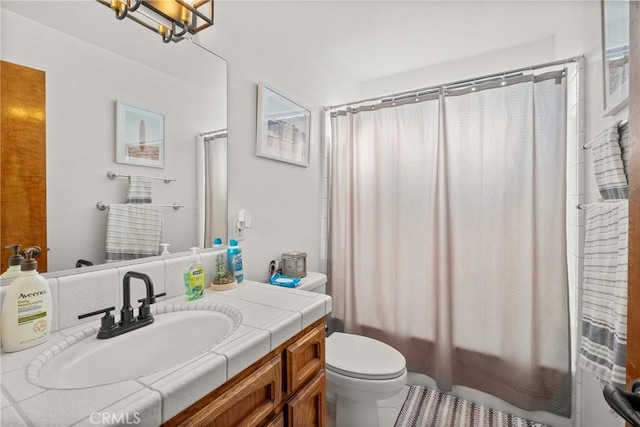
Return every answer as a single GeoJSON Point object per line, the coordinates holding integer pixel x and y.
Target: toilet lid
{"type": "Point", "coordinates": [361, 357]}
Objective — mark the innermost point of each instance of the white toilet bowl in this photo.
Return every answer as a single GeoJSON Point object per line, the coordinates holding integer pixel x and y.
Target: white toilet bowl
{"type": "Point", "coordinates": [360, 371]}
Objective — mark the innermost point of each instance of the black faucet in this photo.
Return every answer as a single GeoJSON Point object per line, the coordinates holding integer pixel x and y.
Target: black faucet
{"type": "Point", "coordinates": [109, 328]}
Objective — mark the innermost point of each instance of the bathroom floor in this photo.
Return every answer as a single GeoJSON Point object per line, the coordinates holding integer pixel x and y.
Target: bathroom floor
{"type": "Point", "coordinates": [388, 409]}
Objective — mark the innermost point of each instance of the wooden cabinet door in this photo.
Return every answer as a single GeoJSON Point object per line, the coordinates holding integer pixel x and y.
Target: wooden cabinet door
{"type": "Point", "coordinates": [23, 196]}
{"type": "Point", "coordinates": [247, 404]}
{"type": "Point", "coordinates": [308, 407]}
{"type": "Point", "coordinates": [305, 358]}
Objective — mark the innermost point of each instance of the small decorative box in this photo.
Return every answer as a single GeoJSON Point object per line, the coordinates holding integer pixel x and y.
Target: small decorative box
{"type": "Point", "coordinates": [294, 264]}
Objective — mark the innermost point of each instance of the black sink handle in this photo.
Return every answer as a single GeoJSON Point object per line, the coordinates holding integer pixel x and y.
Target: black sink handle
{"type": "Point", "coordinates": [145, 300]}
{"type": "Point", "coordinates": [144, 310]}
{"type": "Point", "coordinates": [625, 403]}
{"type": "Point", "coordinates": [107, 321]}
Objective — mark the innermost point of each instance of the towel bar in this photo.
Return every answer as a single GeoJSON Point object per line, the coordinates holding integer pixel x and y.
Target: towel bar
{"type": "Point", "coordinates": [167, 179]}
{"type": "Point", "coordinates": [104, 205]}
{"type": "Point", "coordinates": [588, 144]}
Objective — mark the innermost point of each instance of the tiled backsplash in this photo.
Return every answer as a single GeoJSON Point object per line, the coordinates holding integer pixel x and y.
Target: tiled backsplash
{"type": "Point", "coordinates": [88, 289]}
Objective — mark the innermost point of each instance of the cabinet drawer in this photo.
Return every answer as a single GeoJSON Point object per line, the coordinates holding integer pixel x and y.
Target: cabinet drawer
{"type": "Point", "coordinates": [248, 403]}
{"type": "Point", "coordinates": [305, 358]}
{"type": "Point", "coordinates": [308, 407]}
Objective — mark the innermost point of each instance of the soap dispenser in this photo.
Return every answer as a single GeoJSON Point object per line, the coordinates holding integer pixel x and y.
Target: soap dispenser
{"type": "Point", "coordinates": [14, 263]}
{"type": "Point", "coordinates": [26, 312]}
{"type": "Point", "coordinates": [194, 277]}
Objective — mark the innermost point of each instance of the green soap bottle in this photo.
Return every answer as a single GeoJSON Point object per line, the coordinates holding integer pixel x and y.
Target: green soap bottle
{"type": "Point", "coordinates": [194, 277]}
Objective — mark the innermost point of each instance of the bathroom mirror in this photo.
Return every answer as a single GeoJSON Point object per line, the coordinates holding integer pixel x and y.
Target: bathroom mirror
{"type": "Point", "coordinates": [92, 61]}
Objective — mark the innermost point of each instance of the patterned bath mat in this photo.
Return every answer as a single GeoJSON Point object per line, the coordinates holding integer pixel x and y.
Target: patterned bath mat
{"type": "Point", "coordinates": [430, 408]}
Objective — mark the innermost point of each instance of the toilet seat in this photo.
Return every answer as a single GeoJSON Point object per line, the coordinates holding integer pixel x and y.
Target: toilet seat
{"type": "Point", "coordinates": [361, 357]}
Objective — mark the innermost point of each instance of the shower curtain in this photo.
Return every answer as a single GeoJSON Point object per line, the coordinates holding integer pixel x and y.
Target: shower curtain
{"type": "Point", "coordinates": [211, 187]}
{"type": "Point", "coordinates": [447, 236]}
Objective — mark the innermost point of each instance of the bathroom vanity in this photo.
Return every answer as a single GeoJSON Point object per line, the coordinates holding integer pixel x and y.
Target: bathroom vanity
{"type": "Point", "coordinates": [268, 371]}
{"type": "Point", "coordinates": [284, 388]}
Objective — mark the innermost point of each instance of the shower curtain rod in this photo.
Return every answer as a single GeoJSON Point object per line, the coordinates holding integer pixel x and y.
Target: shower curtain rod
{"type": "Point", "coordinates": [433, 88]}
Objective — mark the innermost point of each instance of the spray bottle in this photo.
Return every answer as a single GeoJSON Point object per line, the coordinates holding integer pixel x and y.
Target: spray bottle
{"type": "Point", "coordinates": [234, 258]}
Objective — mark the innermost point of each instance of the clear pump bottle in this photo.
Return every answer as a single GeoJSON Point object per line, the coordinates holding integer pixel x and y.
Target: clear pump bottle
{"type": "Point", "coordinates": [194, 277]}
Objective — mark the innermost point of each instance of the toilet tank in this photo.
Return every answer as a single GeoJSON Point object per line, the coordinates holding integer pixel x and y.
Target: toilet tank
{"type": "Point", "coordinates": [314, 282]}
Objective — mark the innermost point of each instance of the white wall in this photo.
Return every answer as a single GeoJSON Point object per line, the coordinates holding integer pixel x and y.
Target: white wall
{"type": "Point", "coordinates": [283, 198]}
{"type": "Point", "coordinates": [82, 84]}
{"type": "Point", "coordinates": [494, 62]}
{"type": "Point", "coordinates": [566, 19]}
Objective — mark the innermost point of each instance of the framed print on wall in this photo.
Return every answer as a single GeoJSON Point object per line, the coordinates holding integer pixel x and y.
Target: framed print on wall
{"type": "Point", "coordinates": [282, 128]}
{"type": "Point", "coordinates": [615, 54]}
{"type": "Point", "coordinates": [139, 136]}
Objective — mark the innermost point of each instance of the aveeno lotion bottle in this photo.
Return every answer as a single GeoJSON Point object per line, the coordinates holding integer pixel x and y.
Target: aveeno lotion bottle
{"type": "Point", "coordinates": [26, 311]}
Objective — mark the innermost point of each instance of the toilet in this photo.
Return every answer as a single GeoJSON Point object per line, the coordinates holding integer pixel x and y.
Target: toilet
{"type": "Point", "coordinates": [359, 370]}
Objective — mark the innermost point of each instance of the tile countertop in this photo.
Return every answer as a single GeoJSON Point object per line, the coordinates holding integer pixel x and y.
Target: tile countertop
{"type": "Point", "coordinates": [270, 316]}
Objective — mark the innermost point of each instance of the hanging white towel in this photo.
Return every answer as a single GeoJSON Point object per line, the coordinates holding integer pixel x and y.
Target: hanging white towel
{"type": "Point", "coordinates": [133, 231]}
{"type": "Point", "coordinates": [608, 166]}
{"type": "Point", "coordinates": [139, 189]}
{"type": "Point", "coordinates": [603, 345]}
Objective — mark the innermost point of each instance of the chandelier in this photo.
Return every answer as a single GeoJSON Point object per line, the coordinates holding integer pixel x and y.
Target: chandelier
{"type": "Point", "coordinates": [172, 19]}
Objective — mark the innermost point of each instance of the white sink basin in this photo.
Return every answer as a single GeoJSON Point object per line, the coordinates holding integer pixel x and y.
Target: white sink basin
{"type": "Point", "coordinates": [177, 335]}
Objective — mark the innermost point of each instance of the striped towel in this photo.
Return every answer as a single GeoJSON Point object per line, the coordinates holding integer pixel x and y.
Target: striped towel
{"type": "Point", "coordinates": [133, 231]}
{"type": "Point", "coordinates": [603, 345]}
{"type": "Point", "coordinates": [607, 162]}
{"type": "Point", "coordinates": [139, 189]}
{"type": "Point", "coordinates": [623, 131]}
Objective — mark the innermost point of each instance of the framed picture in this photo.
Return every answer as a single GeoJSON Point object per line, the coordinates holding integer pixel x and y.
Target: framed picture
{"type": "Point", "coordinates": [615, 51]}
{"type": "Point", "coordinates": [139, 136]}
{"type": "Point", "coordinates": [283, 128]}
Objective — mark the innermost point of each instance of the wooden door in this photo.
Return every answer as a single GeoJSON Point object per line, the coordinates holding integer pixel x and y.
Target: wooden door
{"type": "Point", "coordinates": [23, 178]}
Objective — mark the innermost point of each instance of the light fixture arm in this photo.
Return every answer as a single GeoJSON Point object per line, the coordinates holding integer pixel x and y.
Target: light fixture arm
{"type": "Point", "coordinates": [166, 37]}
{"type": "Point", "coordinates": [121, 13]}
{"type": "Point", "coordinates": [120, 8]}
{"type": "Point", "coordinates": [136, 5]}
{"type": "Point", "coordinates": [181, 33]}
